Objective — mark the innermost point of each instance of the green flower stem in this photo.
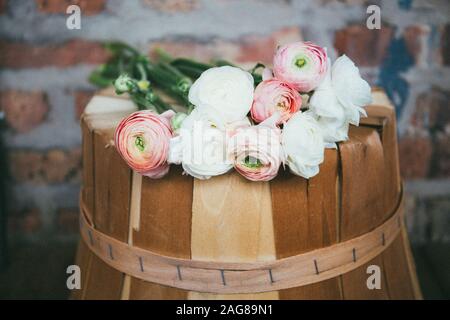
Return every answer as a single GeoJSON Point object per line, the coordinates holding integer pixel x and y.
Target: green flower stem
{"type": "Point", "coordinates": [170, 80]}
{"type": "Point", "coordinates": [190, 63]}
{"type": "Point", "coordinates": [191, 68]}
{"type": "Point", "coordinates": [142, 71]}
{"type": "Point", "coordinates": [174, 76]}
{"type": "Point", "coordinates": [162, 55]}
{"type": "Point", "coordinates": [160, 104]}
{"type": "Point", "coordinates": [117, 47]}
{"type": "Point", "coordinates": [194, 69]}
{"type": "Point", "coordinates": [222, 63]}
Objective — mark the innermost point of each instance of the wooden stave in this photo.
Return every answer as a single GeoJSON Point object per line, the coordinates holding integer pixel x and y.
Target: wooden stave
{"type": "Point", "coordinates": [337, 288]}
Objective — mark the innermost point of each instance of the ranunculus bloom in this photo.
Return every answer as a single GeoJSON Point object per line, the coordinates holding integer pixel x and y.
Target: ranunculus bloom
{"type": "Point", "coordinates": [142, 139]}
{"type": "Point", "coordinates": [200, 145]}
{"type": "Point", "coordinates": [303, 145]}
{"type": "Point", "coordinates": [339, 100]}
{"type": "Point", "coordinates": [301, 64]}
{"type": "Point", "coordinates": [275, 95]}
{"type": "Point", "coordinates": [256, 150]}
{"type": "Point", "coordinates": [228, 91]}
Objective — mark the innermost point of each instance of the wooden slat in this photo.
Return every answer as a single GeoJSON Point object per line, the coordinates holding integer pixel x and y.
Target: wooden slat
{"type": "Point", "coordinates": [397, 271]}
{"type": "Point", "coordinates": [164, 227]}
{"type": "Point", "coordinates": [362, 206]}
{"type": "Point", "coordinates": [111, 207]}
{"type": "Point", "coordinates": [379, 97]}
{"type": "Point", "coordinates": [392, 181]}
{"type": "Point", "coordinates": [83, 260]}
{"type": "Point", "coordinates": [232, 222]}
{"type": "Point", "coordinates": [305, 214]}
{"type": "Point", "coordinates": [84, 255]}
{"type": "Point", "coordinates": [411, 266]}
{"type": "Point", "coordinates": [88, 165]}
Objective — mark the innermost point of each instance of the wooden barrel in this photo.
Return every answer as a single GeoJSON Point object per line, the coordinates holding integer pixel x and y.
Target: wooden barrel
{"type": "Point", "coordinates": [228, 219]}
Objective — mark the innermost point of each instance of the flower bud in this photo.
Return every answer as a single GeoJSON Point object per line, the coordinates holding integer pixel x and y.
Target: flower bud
{"type": "Point", "coordinates": [122, 83]}
{"type": "Point", "coordinates": [143, 85]}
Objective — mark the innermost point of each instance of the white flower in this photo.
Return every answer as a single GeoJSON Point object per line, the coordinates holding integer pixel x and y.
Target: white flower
{"type": "Point", "coordinates": [339, 99]}
{"type": "Point", "coordinates": [303, 144]}
{"type": "Point", "coordinates": [226, 90]}
{"type": "Point", "coordinates": [201, 145]}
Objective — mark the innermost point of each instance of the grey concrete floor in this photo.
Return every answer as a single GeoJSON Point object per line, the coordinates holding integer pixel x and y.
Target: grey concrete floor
{"type": "Point", "coordinates": [39, 271]}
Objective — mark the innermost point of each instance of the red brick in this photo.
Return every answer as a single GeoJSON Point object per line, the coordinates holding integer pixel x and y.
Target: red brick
{"type": "Point", "coordinates": [62, 166]}
{"type": "Point", "coordinates": [23, 110]}
{"type": "Point", "coordinates": [81, 100]}
{"type": "Point", "coordinates": [262, 49]}
{"type": "Point", "coordinates": [416, 39]}
{"type": "Point", "coordinates": [27, 221]}
{"type": "Point", "coordinates": [67, 220]}
{"type": "Point", "coordinates": [50, 167]}
{"type": "Point", "coordinates": [415, 156]}
{"type": "Point", "coordinates": [88, 7]}
{"type": "Point", "coordinates": [173, 6]}
{"type": "Point", "coordinates": [445, 45]}
{"type": "Point", "coordinates": [3, 6]}
{"type": "Point", "coordinates": [432, 110]}
{"type": "Point", "coordinates": [441, 157]}
{"type": "Point", "coordinates": [26, 166]}
{"type": "Point", "coordinates": [364, 46]}
{"type": "Point", "coordinates": [245, 51]}
{"type": "Point", "coordinates": [23, 55]}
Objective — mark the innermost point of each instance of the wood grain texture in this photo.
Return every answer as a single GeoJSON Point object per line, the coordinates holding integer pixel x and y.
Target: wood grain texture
{"type": "Point", "coordinates": [380, 98]}
{"type": "Point", "coordinates": [164, 227]}
{"type": "Point", "coordinates": [397, 272]}
{"type": "Point", "coordinates": [88, 165]}
{"type": "Point", "coordinates": [232, 222]}
{"type": "Point", "coordinates": [388, 134]}
{"type": "Point", "coordinates": [241, 277]}
{"type": "Point", "coordinates": [362, 206]}
{"type": "Point", "coordinates": [305, 214]}
{"type": "Point", "coordinates": [84, 255]}
{"type": "Point", "coordinates": [83, 260]}
{"type": "Point", "coordinates": [135, 215]}
{"type": "Point", "coordinates": [111, 207]}
{"type": "Point", "coordinates": [411, 266]}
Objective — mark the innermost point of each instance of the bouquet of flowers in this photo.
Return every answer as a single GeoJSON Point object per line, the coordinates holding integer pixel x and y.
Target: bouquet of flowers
{"type": "Point", "coordinates": [254, 121]}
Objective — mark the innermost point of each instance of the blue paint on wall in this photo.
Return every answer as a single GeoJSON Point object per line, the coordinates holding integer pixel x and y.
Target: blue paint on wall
{"type": "Point", "coordinates": [405, 4]}
{"type": "Point", "coordinates": [397, 61]}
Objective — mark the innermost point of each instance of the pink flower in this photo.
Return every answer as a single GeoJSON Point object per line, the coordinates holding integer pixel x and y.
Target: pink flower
{"type": "Point", "coordinates": [275, 95]}
{"type": "Point", "coordinates": [142, 139]}
{"type": "Point", "coordinates": [301, 64]}
{"type": "Point", "coordinates": [256, 151]}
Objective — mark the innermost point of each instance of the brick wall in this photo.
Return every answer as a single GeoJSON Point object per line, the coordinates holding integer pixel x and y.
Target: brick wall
{"type": "Point", "coordinates": [44, 66]}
